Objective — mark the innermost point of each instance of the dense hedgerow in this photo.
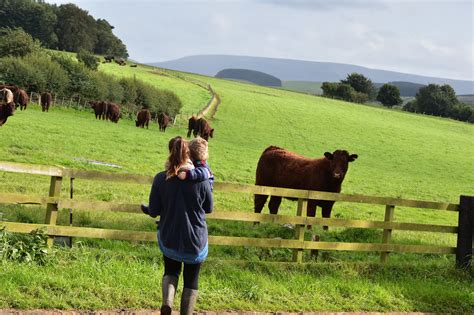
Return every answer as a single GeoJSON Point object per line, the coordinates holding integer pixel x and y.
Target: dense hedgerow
{"type": "Point", "coordinates": [67, 78]}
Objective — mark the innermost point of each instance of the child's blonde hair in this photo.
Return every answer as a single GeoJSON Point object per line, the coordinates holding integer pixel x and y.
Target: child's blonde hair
{"type": "Point", "coordinates": [198, 149]}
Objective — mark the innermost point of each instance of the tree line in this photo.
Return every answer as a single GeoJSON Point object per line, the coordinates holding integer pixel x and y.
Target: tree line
{"type": "Point", "coordinates": [25, 64]}
{"type": "Point", "coordinates": [433, 99]}
{"type": "Point", "coordinates": [64, 27]}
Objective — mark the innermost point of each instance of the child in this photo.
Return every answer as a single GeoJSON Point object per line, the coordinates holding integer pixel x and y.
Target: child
{"type": "Point", "coordinates": [199, 153]}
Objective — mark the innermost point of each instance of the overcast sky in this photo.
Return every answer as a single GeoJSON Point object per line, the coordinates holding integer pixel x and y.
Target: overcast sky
{"type": "Point", "coordinates": [424, 37]}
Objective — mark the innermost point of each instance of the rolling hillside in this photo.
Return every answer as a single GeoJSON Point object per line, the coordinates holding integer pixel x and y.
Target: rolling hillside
{"type": "Point", "coordinates": [400, 155]}
{"type": "Point", "coordinates": [299, 70]}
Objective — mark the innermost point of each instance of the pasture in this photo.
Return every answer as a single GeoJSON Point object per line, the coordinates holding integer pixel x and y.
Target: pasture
{"type": "Point", "coordinates": [400, 155]}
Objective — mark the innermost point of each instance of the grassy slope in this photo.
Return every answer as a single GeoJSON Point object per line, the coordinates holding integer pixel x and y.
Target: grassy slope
{"type": "Point", "coordinates": [400, 154]}
{"type": "Point", "coordinates": [193, 97]}
{"type": "Point", "coordinates": [303, 86]}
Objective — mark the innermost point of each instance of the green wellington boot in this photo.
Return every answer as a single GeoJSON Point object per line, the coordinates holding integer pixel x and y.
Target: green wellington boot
{"type": "Point", "coordinates": [168, 288]}
{"type": "Point", "coordinates": [188, 300]}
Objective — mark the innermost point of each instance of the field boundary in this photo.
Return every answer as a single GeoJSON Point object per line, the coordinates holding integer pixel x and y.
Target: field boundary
{"type": "Point", "coordinates": [54, 201]}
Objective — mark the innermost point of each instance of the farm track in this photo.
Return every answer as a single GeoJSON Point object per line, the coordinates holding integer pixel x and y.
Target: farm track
{"type": "Point", "coordinates": [214, 102]}
{"type": "Point", "coordinates": [150, 312]}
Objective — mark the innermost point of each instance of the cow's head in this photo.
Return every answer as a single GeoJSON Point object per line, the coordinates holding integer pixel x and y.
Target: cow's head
{"type": "Point", "coordinates": [92, 104]}
{"type": "Point", "coordinates": [339, 162]}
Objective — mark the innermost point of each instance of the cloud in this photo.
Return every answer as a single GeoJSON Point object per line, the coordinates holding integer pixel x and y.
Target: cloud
{"type": "Point", "coordinates": [325, 5]}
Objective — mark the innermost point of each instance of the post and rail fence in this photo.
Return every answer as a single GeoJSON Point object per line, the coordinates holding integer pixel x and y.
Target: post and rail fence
{"type": "Point", "coordinates": [54, 201]}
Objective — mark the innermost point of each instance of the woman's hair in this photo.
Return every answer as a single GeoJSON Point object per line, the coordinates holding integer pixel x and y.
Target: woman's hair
{"type": "Point", "coordinates": [179, 155]}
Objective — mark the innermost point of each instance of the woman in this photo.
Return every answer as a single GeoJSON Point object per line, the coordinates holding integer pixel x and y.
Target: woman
{"type": "Point", "coordinates": [182, 233]}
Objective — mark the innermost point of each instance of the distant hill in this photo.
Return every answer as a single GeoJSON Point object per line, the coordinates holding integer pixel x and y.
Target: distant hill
{"type": "Point", "coordinates": [253, 76]}
{"type": "Point", "coordinates": [466, 99]}
{"type": "Point", "coordinates": [298, 70]}
{"type": "Point", "coordinates": [406, 88]}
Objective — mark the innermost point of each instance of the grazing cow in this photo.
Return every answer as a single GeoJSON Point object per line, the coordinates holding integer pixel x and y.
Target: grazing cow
{"type": "Point", "coordinates": [109, 58]}
{"type": "Point", "coordinates": [192, 126]}
{"type": "Point", "coordinates": [100, 109]}
{"type": "Point", "coordinates": [120, 61]}
{"type": "Point", "coordinates": [143, 118]}
{"type": "Point", "coordinates": [46, 100]}
{"type": "Point", "coordinates": [278, 167]}
{"type": "Point", "coordinates": [21, 99]}
{"type": "Point", "coordinates": [163, 121]}
{"type": "Point", "coordinates": [113, 112]}
{"type": "Point", "coordinates": [204, 129]}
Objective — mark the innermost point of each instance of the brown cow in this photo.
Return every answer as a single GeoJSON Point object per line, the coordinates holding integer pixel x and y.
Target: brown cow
{"type": "Point", "coordinates": [6, 110]}
{"type": "Point", "coordinates": [113, 112]}
{"type": "Point", "coordinates": [21, 99]}
{"type": "Point", "coordinates": [100, 109]}
{"type": "Point", "coordinates": [163, 121]}
{"type": "Point", "coordinates": [192, 126]}
{"type": "Point", "coordinates": [278, 167]}
{"type": "Point", "coordinates": [204, 129]}
{"type": "Point", "coordinates": [46, 100]}
{"type": "Point", "coordinates": [143, 118]}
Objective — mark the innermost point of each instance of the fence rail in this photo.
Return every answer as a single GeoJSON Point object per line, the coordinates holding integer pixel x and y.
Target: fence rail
{"type": "Point", "coordinates": [54, 201]}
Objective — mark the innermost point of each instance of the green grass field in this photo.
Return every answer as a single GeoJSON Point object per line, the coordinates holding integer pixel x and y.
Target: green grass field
{"type": "Point", "coordinates": [303, 86]}
{"type": "Point", "coordinates": [400, 155]}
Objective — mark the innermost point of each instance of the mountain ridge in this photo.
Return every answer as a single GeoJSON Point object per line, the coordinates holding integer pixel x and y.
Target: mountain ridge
{"type": "Point", "coordinates": [302, 70]}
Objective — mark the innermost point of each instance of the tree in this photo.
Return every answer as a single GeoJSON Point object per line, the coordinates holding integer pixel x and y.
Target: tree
{"type": "Point", "coordinates": [329, 89]}
{"type": "Point", "coordinates": [360, 84]}
{"type": "Point", "coordinates": [36, 18]}
{"type": "Point", "coordinates": [16, 42]}
{"type": "Point", "coordinates": [107, 42]}
{"type": "Point", "coordinates": [389, 95]}
{"type": "Point", "coordinates": [88, 59]}
{"type": "Point", "coordinates": [436, 100]}
{"type": "Point", "coordinates": [75, 29]}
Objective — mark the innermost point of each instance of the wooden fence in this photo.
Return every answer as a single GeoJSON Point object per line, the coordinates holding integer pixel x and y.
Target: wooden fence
{"type": "Point", "coordinates": [55, 201]}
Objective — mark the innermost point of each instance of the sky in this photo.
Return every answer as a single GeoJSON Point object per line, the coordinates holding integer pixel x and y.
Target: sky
{"type": "Point", "coordinates": [425, 37]}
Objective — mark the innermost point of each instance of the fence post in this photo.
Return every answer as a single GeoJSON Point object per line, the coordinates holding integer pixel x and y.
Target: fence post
{"type": "Point", "coordinates": [299, 231]}
{"type": "Point", "coordinates": [465, 232]}
{"type": "Point", "coordinates": [387, 233]}
{"type": "Point", "coordinates": [52, 208]}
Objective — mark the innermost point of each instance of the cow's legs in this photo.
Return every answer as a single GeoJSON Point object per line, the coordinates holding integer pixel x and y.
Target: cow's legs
{"type": "Point", "coordinates": [326, 211]}
{"type": "Point", "coordinates": [259, 202]}
{"type": "Point", "coordinates": [311, 211]}
{"type": "Point", "coordinates": [274, 204]}
{"type": "Point", "coordinates": [189, 133]}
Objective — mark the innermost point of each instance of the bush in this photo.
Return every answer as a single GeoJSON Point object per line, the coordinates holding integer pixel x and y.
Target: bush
{"type": "Point", "coordinates": [16, 42]}
{"type": "Point", "coordinates": [24, 248]}
{"type": "Point", "coordinates": [410, 106]}
{"type": "Point", "coordinates": [88, 59]}
{"type": "Point", "coordinates": [35, 72]}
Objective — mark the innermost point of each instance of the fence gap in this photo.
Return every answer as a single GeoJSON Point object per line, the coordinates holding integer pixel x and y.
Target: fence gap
{"type": "Point", "coordinates": [52, 208]}
{"type": "Point", "coordinates": [299, 230]}
{"type": "Point", "coordinates": [387, 233]}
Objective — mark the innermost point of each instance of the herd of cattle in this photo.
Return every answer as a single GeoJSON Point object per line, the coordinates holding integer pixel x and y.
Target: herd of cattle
{"type": "Point", "coordinates": [12, 97]}
{"type": "Point", "coordinates": [276, 167]}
